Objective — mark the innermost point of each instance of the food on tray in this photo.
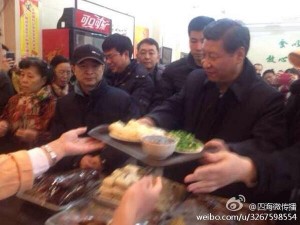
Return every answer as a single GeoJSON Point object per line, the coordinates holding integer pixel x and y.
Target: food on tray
{"type": "Point", "coordinates": [114, 186]}
{"type": "Point", "coordinates": [133, 131]}
{"type": "Point", "coordinates": [186, 141]}
{"type": "Point", "coordinates": [65, 188]}
{"type": "Point", "coordinates": [91, 222]}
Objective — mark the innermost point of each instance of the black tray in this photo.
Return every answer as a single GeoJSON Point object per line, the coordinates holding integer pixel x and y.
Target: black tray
{"type": "Point", "coordinates": [135, 149]}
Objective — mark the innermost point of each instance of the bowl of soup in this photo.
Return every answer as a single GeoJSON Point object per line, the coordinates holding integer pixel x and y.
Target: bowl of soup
{"type": "Point", "coordinates": [158, 146]}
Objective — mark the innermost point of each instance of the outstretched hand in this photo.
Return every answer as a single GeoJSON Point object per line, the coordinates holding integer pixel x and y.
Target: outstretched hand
{"type": "Point", "coordinates": [70, 143]}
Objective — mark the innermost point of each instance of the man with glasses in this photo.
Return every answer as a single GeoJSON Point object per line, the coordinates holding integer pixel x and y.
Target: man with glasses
{"type": "Point", "coordinates": [92, 103]}
{"type": "Point", "coordinates": [125, 73]}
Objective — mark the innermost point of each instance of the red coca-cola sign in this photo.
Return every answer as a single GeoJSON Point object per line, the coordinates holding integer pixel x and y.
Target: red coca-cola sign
{"type": "Point", "coordinates": [93, 22]}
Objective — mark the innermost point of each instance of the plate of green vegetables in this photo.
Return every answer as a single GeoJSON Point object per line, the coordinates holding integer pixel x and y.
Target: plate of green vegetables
{"type": "Point", "coordinates": [187, 143]}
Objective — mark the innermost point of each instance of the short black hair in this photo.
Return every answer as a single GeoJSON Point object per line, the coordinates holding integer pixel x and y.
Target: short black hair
{"type": "Point", "coordinates": [233, 34]}
{"type": "Point", "coordinates": [120, 42]}
{"type": "Point", "coordinates": [58, 59]}
{"type": "Point", "coordinates": [42, 67]}
{"type": "Point", "coordinates": [149, 41]}
{"type": "Point", "coordinates": [293, 71]}
{"type": "Point", "coordinates": [268, 71]}
{"type": "Point", "coordinates": [198, 23]}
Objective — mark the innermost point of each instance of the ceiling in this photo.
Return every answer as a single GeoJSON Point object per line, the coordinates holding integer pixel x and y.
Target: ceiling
{"type": "Point", "coordinates": [257, 11]}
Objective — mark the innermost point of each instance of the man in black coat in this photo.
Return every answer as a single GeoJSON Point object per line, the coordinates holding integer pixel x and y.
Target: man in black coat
{"type": "Point", "coordinates": [226, 100]}
{"type": "Point", "coordinates": [276, 174]}
{"type": "Point", "coordinates": [125, 73]}
{"type": "Point", "coordinates": [176, 73]}
{"type": "Point", "coordinates": [92, 103]}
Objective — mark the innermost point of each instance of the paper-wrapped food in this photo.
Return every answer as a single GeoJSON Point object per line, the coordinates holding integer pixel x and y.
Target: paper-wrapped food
{"type": "Point", "coordinates": [61, 189]}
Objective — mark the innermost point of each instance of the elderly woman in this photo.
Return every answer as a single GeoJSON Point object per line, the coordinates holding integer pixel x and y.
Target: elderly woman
{"type": "Point", "coordinates": [62, 73]}
{"type": "Point", "coordinates": [26, 117]}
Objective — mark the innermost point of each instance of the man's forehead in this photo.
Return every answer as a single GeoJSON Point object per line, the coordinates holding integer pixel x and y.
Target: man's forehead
{"type": "Point", "coordinates": [212, 44]}
{"type": "Point", "coordinates": [196, 34]}
{"type": "Point", "coordinates": [146, 46]}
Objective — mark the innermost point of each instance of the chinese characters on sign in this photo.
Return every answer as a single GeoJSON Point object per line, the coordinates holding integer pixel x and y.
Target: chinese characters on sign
{"type": "Point", "coordinates": [93, 22]}
{"type": "Point", "coordinates": [282, 44]}
{"type": "Point", "coordinates": [29, 27]}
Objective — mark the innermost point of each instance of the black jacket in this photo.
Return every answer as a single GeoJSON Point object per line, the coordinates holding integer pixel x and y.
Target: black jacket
{"type": "Point", "coordinates": [250, 115]}
{"type": "Point", "coordinates": [104, 105]}
{"type": "Point", "coordinates": [135, 80]}
{"type": "Point", "coordinates": [280, 171]}
{"type": "Point", "coordinates": [175, 75]}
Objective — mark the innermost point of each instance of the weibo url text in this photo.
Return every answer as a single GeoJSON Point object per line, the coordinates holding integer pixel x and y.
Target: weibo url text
{"type": "Point", "coordinates": [249, 217]}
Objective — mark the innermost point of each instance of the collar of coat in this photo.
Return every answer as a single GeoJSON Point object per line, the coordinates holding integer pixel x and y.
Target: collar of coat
{"type": "Point", "coordinates": [240, 86]}
{"type": "Point", "coordinates": [100, 88]}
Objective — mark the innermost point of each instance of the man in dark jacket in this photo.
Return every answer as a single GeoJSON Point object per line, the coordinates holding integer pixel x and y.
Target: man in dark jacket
{"type": "Point", "coordinates": [92, 103]}
{"type": "Point", "coordinates": [226, 100]}
{"type": "Point", "coordinates": [174, 76]}
{"type": "Point", "coordinates": [125, 73]}
{"type": "Point", "coordinates": [148, 55]}
{"type": "Point", "coordinates": [275, 173]}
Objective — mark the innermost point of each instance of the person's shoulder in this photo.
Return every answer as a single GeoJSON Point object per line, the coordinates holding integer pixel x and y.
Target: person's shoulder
{"type": "Point", "coordinates": [66, 99]}
{"type": "Point", "coordinates": [140, 72]}
{"type": "Point", "coordinates": [259, 85]}
{"type": "Point", "coordinates": [196, 75]}
{"type": "Point", "coordinates": [176, 64]}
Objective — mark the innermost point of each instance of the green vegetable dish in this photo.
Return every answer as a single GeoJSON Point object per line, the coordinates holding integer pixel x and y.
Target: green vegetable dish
{"type": "Point", "coordinates": [186, 141]}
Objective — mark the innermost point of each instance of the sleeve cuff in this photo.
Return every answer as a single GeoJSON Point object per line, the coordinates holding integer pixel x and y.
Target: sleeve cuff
{"type": "Point", "coordinates": [39, 161]}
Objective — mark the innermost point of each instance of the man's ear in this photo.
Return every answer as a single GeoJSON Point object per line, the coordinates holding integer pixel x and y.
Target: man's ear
{"type": "Point", "coordinates": [73, 69]}
{"type": "Point", "coordinates": [126, 52]}
{"type": "Point", "coordinates": [44, 79]}
{"type": "Point", "coordinates": [240, 54]}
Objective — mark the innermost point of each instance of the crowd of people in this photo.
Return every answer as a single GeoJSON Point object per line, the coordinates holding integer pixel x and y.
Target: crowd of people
{"type": "Point", "coordinates": [214, 93]}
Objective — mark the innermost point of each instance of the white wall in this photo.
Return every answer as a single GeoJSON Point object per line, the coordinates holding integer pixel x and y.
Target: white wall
{"type": "Point", "coordinates": [52, 10]}
{"type": "Point", "coordinates": [265, 42]}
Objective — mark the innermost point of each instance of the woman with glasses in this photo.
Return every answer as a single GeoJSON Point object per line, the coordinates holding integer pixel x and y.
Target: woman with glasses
{"type": "Point", "coordinates": [62, 74]}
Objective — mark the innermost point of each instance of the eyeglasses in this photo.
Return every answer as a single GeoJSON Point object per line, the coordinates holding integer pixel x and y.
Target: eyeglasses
{"type": "Point", "coordinates": [62, 72]}
{"type": "Point", "coordinates": [111, 56]}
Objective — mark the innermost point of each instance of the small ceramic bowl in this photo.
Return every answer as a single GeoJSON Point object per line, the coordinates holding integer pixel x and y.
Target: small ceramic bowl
{"type": "Point", "coordinates": [158, 147]}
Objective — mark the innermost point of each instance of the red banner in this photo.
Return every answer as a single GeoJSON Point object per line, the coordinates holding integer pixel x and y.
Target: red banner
{"type": "Point", "coordinates": [93, 22]}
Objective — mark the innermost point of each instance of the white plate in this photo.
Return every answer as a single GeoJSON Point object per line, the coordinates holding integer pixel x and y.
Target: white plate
{"type": "Point", "coordinates": [119, 138]}
{"type": "Point", "coordinates": [190, 152]}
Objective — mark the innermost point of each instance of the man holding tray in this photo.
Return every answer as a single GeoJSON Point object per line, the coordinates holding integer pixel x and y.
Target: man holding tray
{"type": "Point", "coordinates": [225, 100]}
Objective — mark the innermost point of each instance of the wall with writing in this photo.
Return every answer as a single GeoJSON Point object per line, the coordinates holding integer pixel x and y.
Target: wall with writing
{"type": "Point", "coordinates": [270, 45]}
